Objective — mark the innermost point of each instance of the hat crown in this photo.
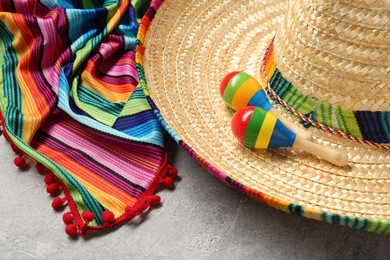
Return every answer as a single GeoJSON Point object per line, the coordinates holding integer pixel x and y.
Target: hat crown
{"type": "Point", "coordinates": [338, 51]}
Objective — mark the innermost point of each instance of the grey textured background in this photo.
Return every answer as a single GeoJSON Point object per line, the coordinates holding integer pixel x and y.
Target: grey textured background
{"type": "Point", "coordinates": [201, 219]}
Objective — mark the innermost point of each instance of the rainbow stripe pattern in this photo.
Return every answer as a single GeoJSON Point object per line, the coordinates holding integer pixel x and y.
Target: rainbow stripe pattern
{"type": "Point", "coordinates": [371, 225]}
{"type": "Point", "coordinates": [239, 89]}
{"type": "Point", "coordinates": [70, 100]}
{"type": "Point", "coordinates": [367, 127]}
{"type": "Point", "coordinates": [257, 128]}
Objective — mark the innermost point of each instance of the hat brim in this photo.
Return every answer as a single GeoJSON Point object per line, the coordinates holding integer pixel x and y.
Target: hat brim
{"type": "Point", "coordinates": [184, 51]}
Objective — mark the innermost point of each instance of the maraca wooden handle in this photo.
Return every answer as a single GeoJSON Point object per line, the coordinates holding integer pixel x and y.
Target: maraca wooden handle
{"type": "Point", "coordinates": [338, 158]}
{"type": "Point", "coordinates": [291, 126]}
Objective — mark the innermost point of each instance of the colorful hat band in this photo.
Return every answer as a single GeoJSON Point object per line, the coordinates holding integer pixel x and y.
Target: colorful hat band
{"type": "Point", "coordinates": [368, 127]}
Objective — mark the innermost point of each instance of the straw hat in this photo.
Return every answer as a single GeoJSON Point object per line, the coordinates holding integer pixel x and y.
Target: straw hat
{"type": "Point", "coordinates": [328, 67]}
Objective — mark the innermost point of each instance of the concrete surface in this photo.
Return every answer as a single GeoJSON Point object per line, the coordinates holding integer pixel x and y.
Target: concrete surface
{"type": "Point", "coordinates": [201, 219]}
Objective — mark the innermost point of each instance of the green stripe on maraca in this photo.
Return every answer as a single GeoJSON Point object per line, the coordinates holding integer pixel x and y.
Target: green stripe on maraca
{"type": "Point", "coordinates": [263, 131]}
{"type": "Point", "coordinates": [239, 89]}
{"type": "Point", "coordinates": [233, 85]}
{"type": "Point", "coordinates": [254, 127]}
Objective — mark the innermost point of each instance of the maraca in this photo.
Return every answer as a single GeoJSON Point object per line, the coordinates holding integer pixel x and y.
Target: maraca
{"type": "Point", "coordinates": [239, 89]}
{"type": "Point", "coordinates": [257, 128]}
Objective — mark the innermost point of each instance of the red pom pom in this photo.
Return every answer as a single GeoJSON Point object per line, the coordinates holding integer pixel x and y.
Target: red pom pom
{"type": "Point", "coordinates": [49, 179]}
{"type": "Point", "coordinates": [67, 218]}
{"type": "Point", "coordinates": [172, 172]}
{"type": "Point", "coordinates": [129, 212]}
{"type": "Point", "coordinates": [57, 203]}
{"type": "Point", "coordinates": [15, 148]}
{"type": "Point", "coordinates": [107, 216]}
{"type": "Point", "coordinates": [168, 182]}
{"type": "Point", "coordinates": [88, 216]}
{"type": "Point", "coordinates": [140, 206]}
{"type": "Point", "coordinates": [72, 230]}
{"type": "Point", "coordinates": [20, 162]}
{"type": "Point", "coordinates": [154, 200]}
{"type": "Point", "coordinates": [53, 188]}
{"type": "Point", "coordinates": [40, 168]}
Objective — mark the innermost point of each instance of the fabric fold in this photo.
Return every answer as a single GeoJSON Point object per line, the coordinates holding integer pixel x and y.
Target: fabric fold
{"type": "Point", "coordinates": [69, 99]}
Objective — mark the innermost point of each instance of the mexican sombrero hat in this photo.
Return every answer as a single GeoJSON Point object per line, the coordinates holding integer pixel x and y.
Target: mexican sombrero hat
{"type": "Point", "coordinates": [325, 65]}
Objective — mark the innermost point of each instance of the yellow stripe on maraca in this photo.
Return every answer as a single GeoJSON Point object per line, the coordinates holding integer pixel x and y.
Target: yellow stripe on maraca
{"type": "Point", "coordinates": [266, 131]}
{"type": "Point", "coordinates": [244, 93]}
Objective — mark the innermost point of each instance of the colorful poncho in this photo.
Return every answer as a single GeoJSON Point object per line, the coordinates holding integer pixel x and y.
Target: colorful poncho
{"type": "Point", "coordinates": [69, 100]}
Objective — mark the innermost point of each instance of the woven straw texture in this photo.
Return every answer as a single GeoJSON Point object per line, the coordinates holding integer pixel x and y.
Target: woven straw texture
{"type": "Point", "coordinates": [182, 58]}
{"type": "Point", "coordinates": [342, 57]}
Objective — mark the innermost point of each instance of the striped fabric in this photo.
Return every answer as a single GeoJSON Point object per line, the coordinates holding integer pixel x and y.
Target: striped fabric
{"type": "Point", "coordinates": [69, 100]}
{"type": "Point", "coordinates": [371, 126]}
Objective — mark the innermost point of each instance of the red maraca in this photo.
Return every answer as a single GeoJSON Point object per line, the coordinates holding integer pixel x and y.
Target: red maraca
{"type": "Point", "coordinates": [257, 128]}
{"type": "Point", "coordinates": [239, 89]}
